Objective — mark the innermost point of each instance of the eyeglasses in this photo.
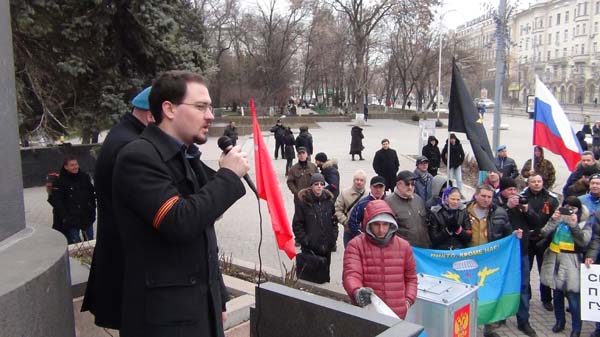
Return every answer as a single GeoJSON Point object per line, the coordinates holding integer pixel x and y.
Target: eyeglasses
{"type": "Point", "coordinates": [409, 183]}
{"type": "Point", "coordinates": [200, 106]}
{"type": "Point", "coordinates": [319, 183]}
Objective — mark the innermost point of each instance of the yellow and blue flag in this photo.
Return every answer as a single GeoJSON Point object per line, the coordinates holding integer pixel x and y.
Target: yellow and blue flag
{"type": "Point", "coordinates": [494, 267]}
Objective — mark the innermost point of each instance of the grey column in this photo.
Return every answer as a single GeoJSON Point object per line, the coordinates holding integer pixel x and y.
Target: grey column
{"type": "Point", "coordinates": [35, 286]}
{"type": "Point", "coordinates": [12, 211]}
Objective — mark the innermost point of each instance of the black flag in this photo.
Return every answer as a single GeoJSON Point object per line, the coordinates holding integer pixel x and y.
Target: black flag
{"type": "Point", "coordinates": [463, 117]}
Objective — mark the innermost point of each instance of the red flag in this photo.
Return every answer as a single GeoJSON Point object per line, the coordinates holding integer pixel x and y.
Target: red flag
{"type": "Point", "coordinates": [268, 190]}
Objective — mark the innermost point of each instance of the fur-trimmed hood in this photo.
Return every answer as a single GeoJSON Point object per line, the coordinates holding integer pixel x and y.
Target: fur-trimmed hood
{"type": "Point", "coordinates": [306, 196]}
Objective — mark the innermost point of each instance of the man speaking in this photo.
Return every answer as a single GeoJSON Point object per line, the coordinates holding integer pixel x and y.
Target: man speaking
{"type": "Point", "coordinates": [166, 202]}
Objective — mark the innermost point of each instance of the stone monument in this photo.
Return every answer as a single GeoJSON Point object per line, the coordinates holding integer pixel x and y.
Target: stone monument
{"type": "Point", "coordinates": [35, 293]}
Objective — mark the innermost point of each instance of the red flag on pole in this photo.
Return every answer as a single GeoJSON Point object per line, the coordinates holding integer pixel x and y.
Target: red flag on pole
{"type": "Point", "coordinates": [268, 190]}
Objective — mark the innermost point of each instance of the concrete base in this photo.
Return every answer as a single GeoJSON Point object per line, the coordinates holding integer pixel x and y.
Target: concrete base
{"type": "Point", "coordinates": [35, 291]}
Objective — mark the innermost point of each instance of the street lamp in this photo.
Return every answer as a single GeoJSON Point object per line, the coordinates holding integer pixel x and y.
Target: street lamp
{"type": "Point", "coordinates": [439, 91]}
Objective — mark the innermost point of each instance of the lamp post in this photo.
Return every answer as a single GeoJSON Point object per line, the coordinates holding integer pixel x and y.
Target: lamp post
{"type": "Point", "coordinates": [439, 91]}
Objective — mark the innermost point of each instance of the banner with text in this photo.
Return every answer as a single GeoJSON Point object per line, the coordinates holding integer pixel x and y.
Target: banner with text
{"type": "Point", "coordinates": [494, 267]}
{"type": "Point", "coordinates": [590, 292]}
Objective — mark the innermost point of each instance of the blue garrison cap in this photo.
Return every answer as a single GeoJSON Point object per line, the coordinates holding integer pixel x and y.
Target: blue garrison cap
{"type": "Point", "coordinates": [501, 148]}
{"type": "Point", "coordinates": [141, 100]}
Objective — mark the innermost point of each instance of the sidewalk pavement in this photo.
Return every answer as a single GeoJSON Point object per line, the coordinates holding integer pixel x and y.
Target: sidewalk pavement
{"type": "Point", "coordinates": [239, 231]}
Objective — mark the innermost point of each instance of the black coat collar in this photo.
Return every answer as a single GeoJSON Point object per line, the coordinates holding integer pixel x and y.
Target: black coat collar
{"type": "Point", "coordinates": [166, 147]}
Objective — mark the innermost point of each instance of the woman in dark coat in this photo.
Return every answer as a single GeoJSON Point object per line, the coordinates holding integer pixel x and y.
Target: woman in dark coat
{"type": "Point", "coordinates": [356, 145]}
{"type": "Point", "coordinates": [449, 222]}
{"type": "Point", "coordinates": [288, 144]}
{"type": "Point", "coordinates": [314, 226]}
{"type": "Point", "coordinates": [432, 152]}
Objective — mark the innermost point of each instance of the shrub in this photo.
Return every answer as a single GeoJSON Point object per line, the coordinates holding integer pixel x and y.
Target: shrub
{"type": "Point", "coordinates": [415, 117]}
{"type": "Point", "coordinates": [439, 123]}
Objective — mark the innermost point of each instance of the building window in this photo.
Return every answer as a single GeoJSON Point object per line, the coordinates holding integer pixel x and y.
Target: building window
{"type": "Point", "coordinates": [578, 10]}
{"type": "Point", "coordinates": [567, 17]}
{"type": "Point", "coordinates": [595, 27]}
{"type": "Point", "coordinates": [597, 11]}
{"type": "Point", "coordinates": [526, 43]}
{"type": "Point", "coordinates": [595, 47]}
{"type": "Point", "coordinates": [550, 21]}
{"type": "Point", "coordinates": [557, 38]}
{"type": "Point", "coordinates": [576, 50]}
{"type": "Point", "coordinates": [577, 30]}
{"type": "Point", "coordinates": [583, 49]}
{"type": "Point", "coordinates": [558, 19]}
{"type": "Point", "coordinates": [564, 52]}
{"type": "Point", "coordinates": [556, 53]}
{"type": "Point", "coordinates": [549, 55]}
{"type": "Point", "coordinates": [566, 37]}
{"type": "Point", "coordinates": [539, 56]}
{"type": "Point", "coordinates": [583, 29]}
{"type": "Point", "coordinates": [585, 8]}
{"type": "Point", "coordinates": [549, 38]}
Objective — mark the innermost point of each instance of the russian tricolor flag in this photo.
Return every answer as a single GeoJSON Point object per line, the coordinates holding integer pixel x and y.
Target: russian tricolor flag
{"type": "Point", "coordinates": [552, 130]}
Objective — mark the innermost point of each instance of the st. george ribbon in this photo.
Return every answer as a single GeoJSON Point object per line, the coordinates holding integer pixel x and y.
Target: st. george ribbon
{"type": "Point", "coordinates": [226, 144]}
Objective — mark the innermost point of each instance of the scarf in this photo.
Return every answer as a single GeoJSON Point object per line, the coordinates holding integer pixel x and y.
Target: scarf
{"type": "Point", "coordinates": [562, 239]}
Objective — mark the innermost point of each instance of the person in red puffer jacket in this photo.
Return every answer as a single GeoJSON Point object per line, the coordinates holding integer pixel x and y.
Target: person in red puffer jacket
{"type": "Point", "coordinates": [379, 262]}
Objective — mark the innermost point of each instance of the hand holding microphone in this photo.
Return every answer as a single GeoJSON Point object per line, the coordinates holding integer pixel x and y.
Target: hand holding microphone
{"type": "Point", "coordinates": [234, 159]}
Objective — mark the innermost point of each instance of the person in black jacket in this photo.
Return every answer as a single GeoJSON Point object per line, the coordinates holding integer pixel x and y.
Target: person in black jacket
{"type": "Point", "coordinates": [386, 164]}
{"type": "Point", "coordinates": [432, 152]}
{"type": "Point", "coordinates": [231, 132]}
{"type": "Point", "coordinates": [449, 222]}
{"type": "Point", "coordinates": [74, 202]}
{"type": "Point", "coordinates": [520, 216]}
{"type": "Point", "coordinates": [329, 170]}
{"type": "Point", "coordinates": [457, 156]}
{"type": "Point", "coordinates": [103, 294]}
{"type": "Point", "coordinates": [279, 130]}
{"type": "Point", "coordinates": [166, 202]}
{"type": "Point", "coordinates": [314, 224]}
{"type": "Point", "coordinates": [290, 152]}
{"type": "Point", "coordinates": [356, 144]}
{"type": "Point", "coordinates": [305, 140]}
{"type": "Point", "coordinates": [543, 203]}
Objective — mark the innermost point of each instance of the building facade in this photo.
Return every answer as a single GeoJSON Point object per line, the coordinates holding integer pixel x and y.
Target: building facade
{"type": "Point", "coordinates": [556, 40]}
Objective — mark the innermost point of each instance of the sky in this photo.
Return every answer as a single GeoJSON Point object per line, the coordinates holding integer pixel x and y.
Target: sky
{"type": "Point", "coordinates": [461, 11]}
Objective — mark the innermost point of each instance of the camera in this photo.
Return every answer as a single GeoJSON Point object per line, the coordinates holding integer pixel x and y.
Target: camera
{"type": "Point", "coordinates": [523, 200]}
{"type": "Point", "coordinates": [565, 210]}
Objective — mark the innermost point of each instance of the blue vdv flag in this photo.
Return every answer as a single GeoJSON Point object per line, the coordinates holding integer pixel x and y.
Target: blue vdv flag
{"type": "Point", "coordinates": [494, 267]}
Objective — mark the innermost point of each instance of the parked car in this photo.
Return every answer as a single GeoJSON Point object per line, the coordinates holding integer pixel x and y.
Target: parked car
{"type": "Point", "coordinates": [488, 103]}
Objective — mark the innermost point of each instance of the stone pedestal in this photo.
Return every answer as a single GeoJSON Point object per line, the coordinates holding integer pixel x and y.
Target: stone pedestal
{"type": "Point", "coordinates": [35, 286]}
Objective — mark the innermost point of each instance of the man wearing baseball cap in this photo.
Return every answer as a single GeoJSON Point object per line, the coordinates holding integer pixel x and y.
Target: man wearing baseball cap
{"type": "Point", "coordinates": [424, 179]}
{"type": "Point", "coordinates": [104, 287]}
{"type": "Point", "coordinates": [410, 211]}
{"type": "Point", "coordinates": [377, 192]}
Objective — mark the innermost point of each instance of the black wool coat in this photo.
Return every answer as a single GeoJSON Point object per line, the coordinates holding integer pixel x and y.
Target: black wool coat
{"type": "Point", "coordinates": [74, 201]}
{"type": "Point", "coordinates": [356, 145]}
{"type": "Point", "coordinates": [103, 294]}
{"type": "Point", "coordinates": [166, 207]}
{"type": "Point", "coordinates": [386, 164]}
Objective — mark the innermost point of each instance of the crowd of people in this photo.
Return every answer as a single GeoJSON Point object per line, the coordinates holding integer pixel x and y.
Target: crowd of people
{"type": "Point", "coordinates": [399, 210]}
{"type": "Point", "coordinates": [167, 281]}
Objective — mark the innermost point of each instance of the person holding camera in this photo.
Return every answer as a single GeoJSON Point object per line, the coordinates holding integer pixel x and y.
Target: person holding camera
{"type": "Point", "coordinates": [569, 234]}
{"type": "Point", "coordinates": [543, 203]}
{"type": "Point", "coordinates": [520, 215]}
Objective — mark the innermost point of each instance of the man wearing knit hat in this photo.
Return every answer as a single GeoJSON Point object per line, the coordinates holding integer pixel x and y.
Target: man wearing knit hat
{"type": "Point", "coordinates": [103, 292]}
{"type": "Point", "coordinates": [520, 216]}
{"type": "Point", "coordinates": [314, 225]}
{"type": "Point", "coordinates": [329, 170]}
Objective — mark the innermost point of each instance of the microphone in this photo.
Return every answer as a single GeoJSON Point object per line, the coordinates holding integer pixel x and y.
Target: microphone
{"type": "Point", "coordinates": [226, 144]}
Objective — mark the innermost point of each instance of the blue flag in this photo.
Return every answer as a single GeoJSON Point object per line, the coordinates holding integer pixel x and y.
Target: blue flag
{"type": "Point", "coordinates": [494, 267]}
